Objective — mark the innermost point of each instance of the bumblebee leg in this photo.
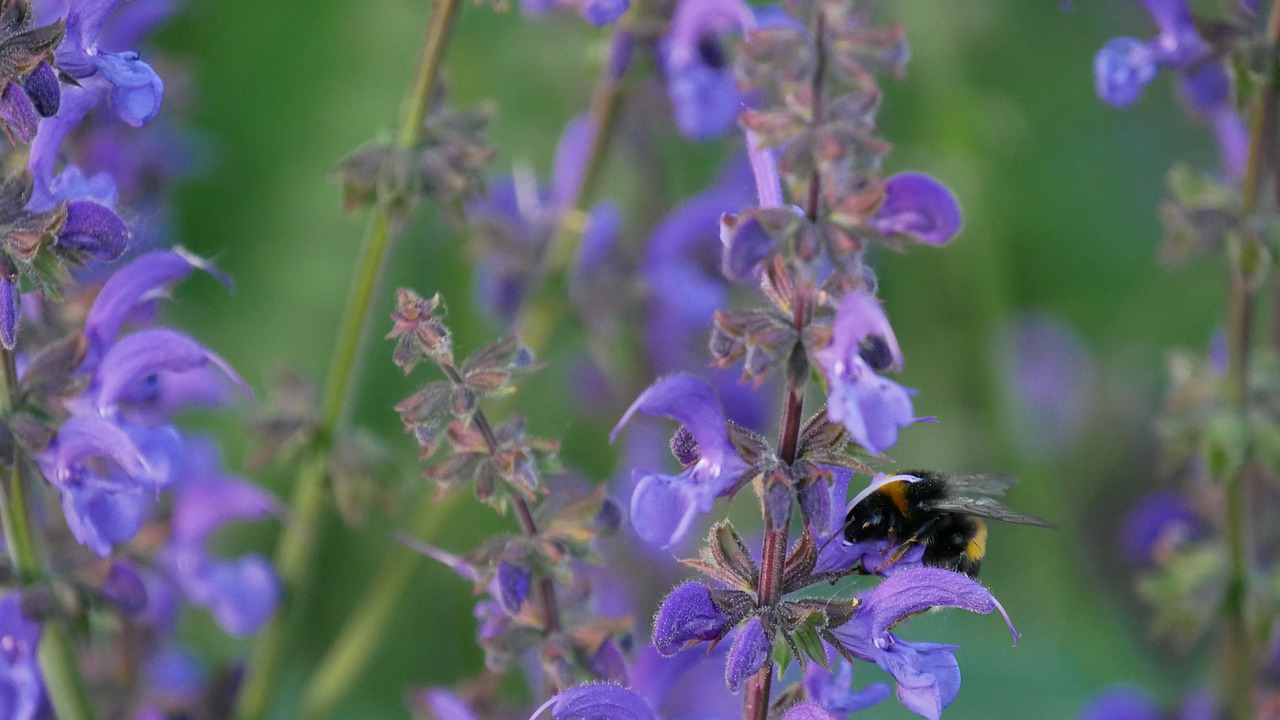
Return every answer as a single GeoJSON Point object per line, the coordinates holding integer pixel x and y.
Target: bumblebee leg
{"type": "Point", "coordinates": [901, 549]}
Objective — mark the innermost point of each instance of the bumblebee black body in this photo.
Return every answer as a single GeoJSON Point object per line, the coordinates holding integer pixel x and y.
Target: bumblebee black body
{"type": "Point", "coordinates": [943, 513]}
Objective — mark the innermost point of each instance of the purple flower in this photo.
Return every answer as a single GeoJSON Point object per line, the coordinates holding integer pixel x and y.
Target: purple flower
{"type": "Point", "coordinates": [1052, 373]}
{"type": "Point", "coordinates": [94, 230]}
{"type": "Point", "coordinates": [21, 690]}
{"type": "Point", "coordinates": [919, 207]}
{"type": "Point", "coordinates": [241, 592]}
{"type": "Point", "coordinates": [663, 506]}
{"type": "Point", "coordinates": [1124, 66]}
{"type": "Point", "coordinates": [834, 692]}
{"type": "Point", "coordinates": [134, 88]}
{"type": "Point", "coordinates": [443, 704]}
{"type": "Point", "coordinates": [700, 80]}
{"type": "Point", "coordinates": [1159, 525]}
{"type": "Point", "coordinates": [512, 586]}
{"type": "Point", "coordinates": [1120, 703]}
{"type": "Point", "coordinates": [687, 616]}
{"type": "Point", "coordinates": [870, 407]}
{"type": "Point", "coordinates": [125, 588]}
{"type": "Point", "coordinates": [104, 479]}
{"type": "Point", "coordinates": [600, 701]}
{"type": "Point", "coordinates": [596, 12]}
{"type": "Point", "coordinates": [28, 85]}
{"type": "Point", "coordinates": [9, 316]}
{"type": "Point", "coordinates": [927, 674]}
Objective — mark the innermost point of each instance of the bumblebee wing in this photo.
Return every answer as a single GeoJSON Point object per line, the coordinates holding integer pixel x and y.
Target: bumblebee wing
{"type": "Point", "coordinates": [985, 507]}
{"type": "Point", "coordinates": [989, 484]}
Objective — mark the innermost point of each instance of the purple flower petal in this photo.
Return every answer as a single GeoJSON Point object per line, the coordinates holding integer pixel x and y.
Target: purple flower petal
{"type": "Point", "coordinates": [700, 81]}
{"type": "Point", "coordinates": [241, 593]}
{"type": "Point", "coordinates": [861, 330]}
{"type": "Point", "coordinates": [687, 617]}
{"type": "Point", "coordinates": [870, 407]}
{"type": "Point", "coordinates": [174, 676]}
{"type": "Point", "coordinates": [689, 400]}
{"type": "Point", "coordinates": [663, 506]}
{"type": "Point", "coordinates": [9, 315]}
{"type": "Point", "coordinates": [1160, 524]}
{"type": "Point", "coordinates": [927, 673]}
{"type": "Point", "coordinates": [746, 245]}
{"type": "Point", "coordinates": [571, 160]}
{"type": "Point", "coordinates": [102, 514]}
{"type": "Point", "coordinates": [834, 690]}
{"type": "Point", "coordinates": [75, 103]}
{"type": "Point", "coordinates": [918, 206]}
{"type": "Point", "coordinates": [443, 704]}
{"type": "Point", "coordinates": [748, 654]}
{"type": "Point", "coordinates": [83, 437]}
{"type": "Point", "coordinates": [18, 113]}
{"type": "Point", "coordinates": [908, 593]}
{"type": "Point", "coordinates": [147, 352]}
{"type": "Point", "coordinates": [136, 89]}
{"type": "Point", "coordinates": [201, 508]}
{"type": "Point", "coordinates": [141, 280]}
{"type": "Point", "coordinates": [603, 701]}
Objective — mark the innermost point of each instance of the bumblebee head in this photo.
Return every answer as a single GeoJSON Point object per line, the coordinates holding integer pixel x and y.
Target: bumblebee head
{"type": "Point", "coordinates": [875, 518]}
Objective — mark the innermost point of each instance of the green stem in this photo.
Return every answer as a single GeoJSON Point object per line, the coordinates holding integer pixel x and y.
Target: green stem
{"type": "Point", "coordinates": [359, 637]}
{"type": "Point", "coordinates": [294, 553]}
{"type": "Point", "coordinates": [1237, 666]}
{"type": "Point", "coordinates": [347, 658]}
{"type": "Point", "coordinates": [58, 667]}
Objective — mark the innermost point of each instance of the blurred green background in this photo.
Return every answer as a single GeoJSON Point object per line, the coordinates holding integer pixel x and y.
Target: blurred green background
{"type": "Point", "coordinates": [1059, 195]}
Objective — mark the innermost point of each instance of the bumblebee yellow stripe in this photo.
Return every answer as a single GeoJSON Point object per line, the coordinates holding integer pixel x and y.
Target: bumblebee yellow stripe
{"type": "Point", "coordinates": [977, 546]}
{"type": "Point", "coordinates": [897, 492]}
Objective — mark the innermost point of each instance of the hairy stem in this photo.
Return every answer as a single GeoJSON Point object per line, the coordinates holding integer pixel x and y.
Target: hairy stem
{"type": "Point", "coordinates": [347, 658]}
{"type": "Point", "coordinates": [61, 672]}
{"type": "Point", "coordinates": [1237, 675]}
{"type": "Point", "coordinates": [294, 552]}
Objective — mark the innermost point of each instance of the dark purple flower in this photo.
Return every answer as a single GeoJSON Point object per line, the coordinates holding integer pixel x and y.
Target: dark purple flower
{"type": "Point", "coordinates": [603, 12]}
{"type": "Point", "coordinates": [9, 315]}
{"type": "Point", "coordinates": [1120, 703]}
{"type": "Point", "coordinates": [94, 230]}
{"type": "Point", "coordinates": [746, 245]}
{"type": "Point", "coordinates": [512, 583]}
{"type": "Point", "coordinates": [125, 588]}
{"type": "Point", "coordinates": [71, 183]}
{"type": "Point", "coordinates": [870, 407]}
{"type": "Point", "coordinates": [129, 368]}
{"type": "Point", "coordinates": [927, 674]}
{"type": "Point", "coordinates": [687, 616]}
{"type": "Point", "coordinates": [21, 689]}
{"type": "Point", "coordinates": [600, 701]}
{"type": "Point", "coordinates": [700, 79]}
{"type": "Point", "coordinates": [748, 654]}
{"type": "Point", "coordinates": [43, 89]}
{"type": "Point", "coordinates": [919, 207]}
{"type": "Point", "coordinates": [663, 506]}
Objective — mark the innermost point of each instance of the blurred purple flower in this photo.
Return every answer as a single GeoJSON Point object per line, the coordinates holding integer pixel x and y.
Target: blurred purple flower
{"type": "Point", "coordinates": [1052, 372]}
{"type": "Point", "coordinates": [870, 407]}
{"type": "Point", "coordinates": [1120, 703]}
{"type": "Point", "coordinates": [700, 80]}
{"type": "Point", "coordinates": [241, 592]}
{"type": "Point", "coordinates": [663, 506]}
{"type": "Point", "coordinates": [1159, 525]}
{"type": "Point", "coordinates": [927, 674]}
{"type": "Point", "coordinates": [834, 692]}
{"type": "Point", "coordinates": [21, 689]}
{"type": "Point", "coordinates": [124, 588]}
{"type": "Point", "coordinates": [1124, 67]}
{"type": "Point", "coordinates": [596, 12]}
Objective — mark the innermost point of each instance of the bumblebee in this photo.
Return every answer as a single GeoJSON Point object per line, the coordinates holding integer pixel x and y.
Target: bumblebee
{"type": "Point", "coordinates": [942, 512]}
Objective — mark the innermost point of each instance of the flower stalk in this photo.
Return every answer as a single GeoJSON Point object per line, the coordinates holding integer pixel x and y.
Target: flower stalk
{"type": "Point", "coordinates": [61, 672]}
{"type": "Point", "coordinates": [1237, 667]}
{"type": "Point", "coordinates": [295, 549]}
